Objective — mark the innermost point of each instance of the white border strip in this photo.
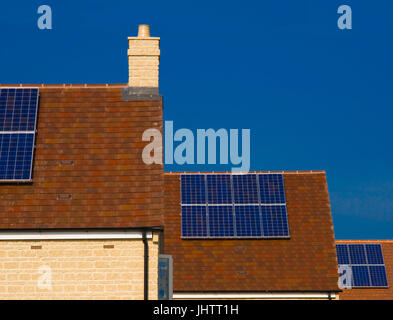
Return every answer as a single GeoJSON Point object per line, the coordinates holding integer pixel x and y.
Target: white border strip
{"type": "Point", "coordinates": [256, 295]}
{"type": "Point", "coordinates": [19, 87]}
{"type": "Point", "coordinates": [72, 235]}
{"type": "Point", "coordinates": [17, 132]}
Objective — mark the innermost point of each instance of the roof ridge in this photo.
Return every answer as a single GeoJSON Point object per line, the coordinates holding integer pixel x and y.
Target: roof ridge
{"type": "Point", "coordinates": [249, 172]}
{"type": "Point", "coordinates": [364, 240]}
{"type": "Point", "coordinates": [65, 85]}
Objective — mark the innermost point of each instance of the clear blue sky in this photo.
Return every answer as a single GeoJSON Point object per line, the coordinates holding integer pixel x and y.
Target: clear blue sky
{"type": "Point", "coordinates": [314, 96]}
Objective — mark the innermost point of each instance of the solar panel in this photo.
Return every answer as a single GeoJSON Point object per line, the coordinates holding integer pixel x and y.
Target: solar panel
{"type": "Point", "coordinates": [219, 189]}
{"type": "Point", "coordinates": [275, 221]}
{"type": "Point", "coordinates": [357, 254]}
{"type": "Point", "coordinates": [360, 276]}
{"type": "Point", "coordinates": [245, 188]}
{"type": "Point", "coordinates": [221, 221]}
{"type": "Point", "coordinates": [18, 109]}
{"type": "Point", "coordinates": [238, 206]}
{"type": "Point", "coordinates": [378, 276]}
{"type": "Point", "coordinates": [271, 188]}
{"type": "Point", "coordinates": [342, 254]}
{"type": "Point", "coordinates": [18, 113]}
{"type": "Point", "coordinates": [248, 221]}
{"type": "Point", "coordinates": [366, 262]}
{"type": "Point", "coordinates": [16, 151]}
{"type": "Point", "coordinates": [194, 221]}
{"type": "Point", "coordinates": [193, 189]}
{"type": "Point", "coordinates": [374, 254]}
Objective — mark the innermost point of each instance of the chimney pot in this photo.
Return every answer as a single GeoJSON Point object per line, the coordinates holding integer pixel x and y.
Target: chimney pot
{"type": "Point", "coordinates": [143, 31]}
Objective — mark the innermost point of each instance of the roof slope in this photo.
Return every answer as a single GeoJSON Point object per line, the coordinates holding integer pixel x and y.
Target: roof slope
{"type": "Point", "coordinates": [89, 146]}
{"type": "Point", "coordinates": [376, 293]}
{"type": "Point", "coordinates": [305, 262]}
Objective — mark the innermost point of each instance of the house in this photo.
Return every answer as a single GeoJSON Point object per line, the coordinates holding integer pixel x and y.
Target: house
{"type": "Point", "coordinates": [371, 268]}
{"type": "Point", "coordinates": [299, 264]}
{"type": "Point", "coordinates": [82, 216]}
{"type": "Point", "coordinates": [87, 223]}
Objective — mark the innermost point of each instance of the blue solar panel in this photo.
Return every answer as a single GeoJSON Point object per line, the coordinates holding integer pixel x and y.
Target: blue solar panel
{"type": "Point", "coordinates": [357, 254]}
{"type": "Point", "coordinates": [366, 262]}
{"type": "Point", "coordinates": [193, 189]}
{"type": "Point", "coordinates": [219, 189]}
{"type": "Point", "coordinates": [18, 113]}
{"type": "Point", "coordinates": [18, 109]}
{"type": "Point", "coordinates": [248, 221]}
{"type": "Point", "coordinates": [360, 276]}
{"type": "Point", "coordinates": [221, 221]}
{"type": "Point", "coordinates": [235, 206]}
{"type": "Point", "coordinates": [16, 151]}
{"type": "Point", "coordinates": [245, 188]}
{"type": "Point", "coordinates": [378, 276]}
{"type": "Point", "coordinates": [342, 254]}
{"type": "Point", "coordinates": [374, 254]}
{"type": "Point", "coordinates": [271, 188]}
{"type": "Point", "coordinates": [275, 221]}
{"type": "Point", "coordinates": [194, 221]}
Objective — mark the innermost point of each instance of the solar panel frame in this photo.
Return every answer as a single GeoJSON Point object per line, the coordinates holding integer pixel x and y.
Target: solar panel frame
{"type": "Point", "coordinates": [8, 127]}
{"type": "Point", "coordinates": [221, 223]}
{"type": "Point", "coordinates": [277, 226]}
{"type": "Point", "coordinates": [250, 226]}
{"type": "Point", "coordinates": [266, 184]}
{"type": "Point", "coordinates": [189, 196]}
{"type": "Point", "coordinates": [372, 262]}
{"type": "Point", "coordinates": [342, 254]}
{"type": "Point", "coordinates": [357, 254]}
{"type": "Point", "coordinates": [14, 168]}
{"type": "Point", "coordinates": [378, 276]}
{"type": "Point", "coordinates": [242, 182]}
{"type": "Point", "coordinates": [276, 229]}
{"type": "Point", "coordinates": [213, 193]}
{"type": "Point", "coordinates": [360, 276]}
{"type": "Point", "coordinates": [374, 254]}
{"type": "Point", "coordinates": [197, 228]}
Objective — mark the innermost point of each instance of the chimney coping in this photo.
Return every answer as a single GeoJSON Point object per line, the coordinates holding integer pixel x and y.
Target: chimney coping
{"type": "Point", "coordinates": [144, 38]}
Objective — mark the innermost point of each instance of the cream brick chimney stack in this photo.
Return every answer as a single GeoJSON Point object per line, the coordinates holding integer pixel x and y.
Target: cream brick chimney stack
{"type": "Point", "coordinates": [143, 62]}
{"type": "Point", "coordinates": [143, 59]}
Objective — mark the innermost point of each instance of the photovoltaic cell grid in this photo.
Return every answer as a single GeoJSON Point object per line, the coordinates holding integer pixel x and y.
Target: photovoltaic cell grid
{"type": "Point", "coordinates": [244, 206]}
{"type": "Point", "coordinates": [193, 189]}
{"type": "Point", "coordinates": [194, 221]}
{"type": "Point", "coordinates": [220, 189]}
{"type": "Point", "coordinates": [366, 262]}
{"type": "Point", "coordinates": [18, 113]}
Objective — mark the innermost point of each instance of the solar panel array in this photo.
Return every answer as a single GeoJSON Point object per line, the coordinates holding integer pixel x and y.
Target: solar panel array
{"type": "Point", "coordinates": [233, 206]}
{"type": "Point", "coordinates": [366, 262]}
{"type": "Point", "coordinates": [18, 114]}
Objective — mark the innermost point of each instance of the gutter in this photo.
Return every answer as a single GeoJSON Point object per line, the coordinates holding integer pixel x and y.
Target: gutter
{"type": "Point", "coordinates": [255, 295]}
{"type": "Point", "coordinates": [146, 266]}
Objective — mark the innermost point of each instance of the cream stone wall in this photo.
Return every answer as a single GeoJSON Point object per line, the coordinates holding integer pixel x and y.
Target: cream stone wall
{"type": "Point", "coordinates": [76, 269]}
{"type": "Point", "coordinates": [143, 61]}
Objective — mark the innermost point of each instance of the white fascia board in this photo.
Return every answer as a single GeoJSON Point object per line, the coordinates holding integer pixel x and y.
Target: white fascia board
{"type": "Point", "coordinates": [256, 295]}
{"type": "Point", "coordinates": [72, 234]}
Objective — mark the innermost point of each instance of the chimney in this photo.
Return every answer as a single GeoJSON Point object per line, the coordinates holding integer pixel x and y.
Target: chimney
{"type": "Point", "coordinates": [143, 62]}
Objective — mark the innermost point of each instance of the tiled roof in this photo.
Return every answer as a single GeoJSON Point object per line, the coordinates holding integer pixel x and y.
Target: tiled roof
{"type": "Point", "coordinates": [305, 262]}
{"type": "Point", "coordinates": [376, 293]}
{"type": "Point", "coordinates": [89, 148]}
